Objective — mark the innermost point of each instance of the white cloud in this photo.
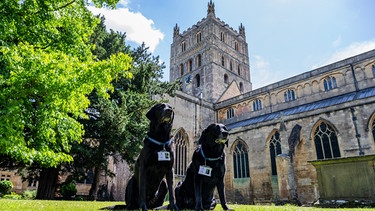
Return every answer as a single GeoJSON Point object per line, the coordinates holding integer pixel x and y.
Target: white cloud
{"type": "Point", "coordinates": [336, 43]}
{"type": "Point", "coordinates": [349, 51]}
{"type": "Point", "coordinates": [261, 72]}
{"type": "Point", "coordinates": [137, 27]}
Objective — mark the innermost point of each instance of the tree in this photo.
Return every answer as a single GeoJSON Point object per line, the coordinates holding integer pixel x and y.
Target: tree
{"type": "Point", "coordinates": [117, 125]}
{"type": "Point", "coordinates": [47, 71]}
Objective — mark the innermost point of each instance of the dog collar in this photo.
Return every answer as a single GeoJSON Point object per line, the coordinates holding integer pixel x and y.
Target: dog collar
{"type": "Point", "coordinates": [210, 159]}
{"type": "Point", "coordinates": [157, 142]}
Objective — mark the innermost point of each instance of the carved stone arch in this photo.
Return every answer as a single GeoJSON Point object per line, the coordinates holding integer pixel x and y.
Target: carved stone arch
{"type": "Point", "coordinates": [324, 135]}
{"type": "Point", "coordinates": [367, 68]}
{"type": "Point", "coordinates": [181, 141]}
{"type": "Point", "coordinates": [240, 157]}
{"type": "Point", "coordinates": [371, 127]}
{"type": "Point", "coordinates": [317, 124]}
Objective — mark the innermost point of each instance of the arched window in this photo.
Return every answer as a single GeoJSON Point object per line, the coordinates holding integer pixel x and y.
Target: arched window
{"type": "Point", "coordinates": [230, 113]}
{"type": "Point", "coordinates": [231, 65]}
{"type": "Point", "coordinates": [289, 95]}
{"type": "Point", "coordinates": [241, 87]}
{"type": "Point", "coordinates": [239, 69]}
{"type": "Point", "coordinates": [199, 37]}
{"type": "Point", "coordinates": [226, 78]}
{"type": "Point", "coordinates": [257, 105]}
{"type": "Point", "coordinates": [236, 46]}
{"type": "Point", "coordinates": [181, 142]}
{"type": "Point", "coordinates": [197, 80]}
{"type": "Point", "coordinates": [275, 149]}
{"type": "Point", "coordinates": [199, 60]}
{"type": "Point", "coordinates": [373, 70]}
{"type": "Point", "coordinates": [222, 61]}
{"type": "Point", "coordinates": [222, 37]}
{"type": "Point", "coordinates": [329, 83]}
{"type": "Point", "coordinates": [241, 161]}
{"type": "Point", "coordinates": [190, 65]}
{"type": "Point", "coordinates": [183, 46]}
{"type": "Point", "coordinates": [326, 143]}
{"type": "Point", "coordinates": [181, 69]}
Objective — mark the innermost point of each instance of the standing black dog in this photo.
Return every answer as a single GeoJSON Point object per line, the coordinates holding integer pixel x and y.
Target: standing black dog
{"type": "Point", "coordinates": [205, 172]}
{"type": "Point", "coordinates": [147, 187]}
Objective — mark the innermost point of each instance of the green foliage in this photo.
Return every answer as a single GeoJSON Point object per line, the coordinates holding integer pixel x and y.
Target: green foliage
{"type": "Point", "coordinates": [5, 187]}
{"type": "Point", "coordinates": [29, 194]}
{"type": "Point", "coordinates": [47, 71]}
{"type": "Point", "coordinates": [13, 196]}
{"type": "Point", "coordinates": [68, 189]}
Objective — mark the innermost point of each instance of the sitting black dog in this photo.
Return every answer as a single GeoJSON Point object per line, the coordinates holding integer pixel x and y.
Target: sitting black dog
{"type": "Point", "coordinates": [147, 188]}
{"type": "Point", "coordinates": [205, 172]}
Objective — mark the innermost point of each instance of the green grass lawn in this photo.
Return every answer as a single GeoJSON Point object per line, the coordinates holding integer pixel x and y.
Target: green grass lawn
{"type": "Point", "coordinates": [34, 205]}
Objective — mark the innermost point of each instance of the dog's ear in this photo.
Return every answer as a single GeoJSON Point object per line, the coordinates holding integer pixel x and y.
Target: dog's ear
{"type": "Point", "coordinates": [203, 136]}
{"type": "Point", "coordinates": [151, 113]}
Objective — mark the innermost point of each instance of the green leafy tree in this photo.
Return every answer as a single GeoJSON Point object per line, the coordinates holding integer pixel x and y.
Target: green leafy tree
{"type": "Point", "coordinates": [47, 71]}
{"type": "Point", "coordinates": [117, 125]}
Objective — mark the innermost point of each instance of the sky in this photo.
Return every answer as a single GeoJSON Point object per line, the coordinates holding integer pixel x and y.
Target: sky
{"type": "Point", "coordinates": [285, 37]}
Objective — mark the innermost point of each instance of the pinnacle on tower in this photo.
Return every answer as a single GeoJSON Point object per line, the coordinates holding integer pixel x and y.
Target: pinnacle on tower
{"type": "Point", "coordinates": [211, 9]}
{"type": "Point", "coordinates": [176, 31]}
{"type": "Point", "coordinates": [242, 30]}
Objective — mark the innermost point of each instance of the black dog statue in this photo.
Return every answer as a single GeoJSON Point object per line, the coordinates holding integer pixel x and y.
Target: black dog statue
{"type": "Point", "coordinates": [205, 172]}
{"type": "Point", "coordinates": [147, 188]}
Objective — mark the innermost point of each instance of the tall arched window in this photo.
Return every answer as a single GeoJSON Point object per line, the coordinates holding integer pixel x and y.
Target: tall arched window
{"type": "Point", "coordinates": [222, 37]}
{"type": "Point", "coordinates": [199, 60]}
{"type": "Point", "coordinates": [236, 46]}
{"type": "Point", "coordinates": [373, 70]}
{"type": "Point", "coordinates": [239, 69]}
{"type": "Point", "coordinates": [190, 65]}
{"type": "Point", "coordinates": [199, 37]}
{"type": "Point", "coordinates": [181, 143]}
{"type": "Point", "coordinates": [197, 80]}
{"type": "Point", "coordinates": [230, 113]}
{"type": "Point", "coordinates": [329, 83]}
{"type": "Point", "coordinates": [257, 105]}
{"type": "Point", "coordinates": [289, 95]}
{"type": "Point", "coordinates": [222, 61]}
{"type": "Point", "coordinates": [183, 46]}
{"type": "Point", "coordinates": [326, 144]}
{"type": "Point", "coordinates": [231, 65]}
{"type": "Point", "coordinates": [241, 161]}
{"type": "Point", "coordinates": [241, 87]}
{"type": "Point", "coordinates": [226, 78]}
{"type": "Point", "coordinates": [275, 149]}
{"type": "Point", "coordinates": [181, 69]}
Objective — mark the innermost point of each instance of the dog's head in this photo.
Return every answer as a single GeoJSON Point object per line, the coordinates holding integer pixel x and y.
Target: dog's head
{"type": "Point", "coordinates": [161, 119]}
{"type": "Point", "coordinates": [214, 135]}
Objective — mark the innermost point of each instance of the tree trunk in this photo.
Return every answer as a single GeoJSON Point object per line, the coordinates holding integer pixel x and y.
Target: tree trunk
{"type": "Point", "coordinates": [93, 195]}
{"type": "Point", "coordinates": [47, 183]}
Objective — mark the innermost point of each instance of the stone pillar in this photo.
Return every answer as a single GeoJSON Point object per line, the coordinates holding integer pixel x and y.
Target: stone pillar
{"type": "Point", "coordinates": [283, 171]}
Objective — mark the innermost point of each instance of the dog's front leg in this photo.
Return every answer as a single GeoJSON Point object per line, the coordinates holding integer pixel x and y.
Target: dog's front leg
{"type": "Point", "coordinates": [172, 201]}
{"type": "Point", "coordinates": [198, 193]}
{"type": "Point", "coordinates": [142, 186]}
{"type": "Point", "coordinates": [221, 191]}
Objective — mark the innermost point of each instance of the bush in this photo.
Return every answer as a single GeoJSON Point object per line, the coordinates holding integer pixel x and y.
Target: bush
{"type": "Point", "coordinates": [5, 187]}
{"type": "Point", "coordinates": [29, 194]}
{"type": "Point", "coordinates": [12, 195]}
{"type": "Point", "coordinates": [68, 190]}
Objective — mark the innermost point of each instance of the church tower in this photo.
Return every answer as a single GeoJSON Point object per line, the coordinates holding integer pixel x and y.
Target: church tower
{"type": "Point", "coordinates": [209, 57]}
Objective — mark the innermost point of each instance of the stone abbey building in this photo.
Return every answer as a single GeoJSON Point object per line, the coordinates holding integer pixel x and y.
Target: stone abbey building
{"type": "Point", "coordinates": [282, 134]}
{"type": "Point", "coordinates": [307, 138]}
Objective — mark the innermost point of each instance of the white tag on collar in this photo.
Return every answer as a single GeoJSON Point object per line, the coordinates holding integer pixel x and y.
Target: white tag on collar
{"type": "Point", "coordinates": [164, 156]}
{"type": "Point", "coordinates": [205, 170]}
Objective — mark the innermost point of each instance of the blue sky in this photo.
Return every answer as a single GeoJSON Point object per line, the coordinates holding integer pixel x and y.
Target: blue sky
{"type": "Point", "coordinates": [285, 37]}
